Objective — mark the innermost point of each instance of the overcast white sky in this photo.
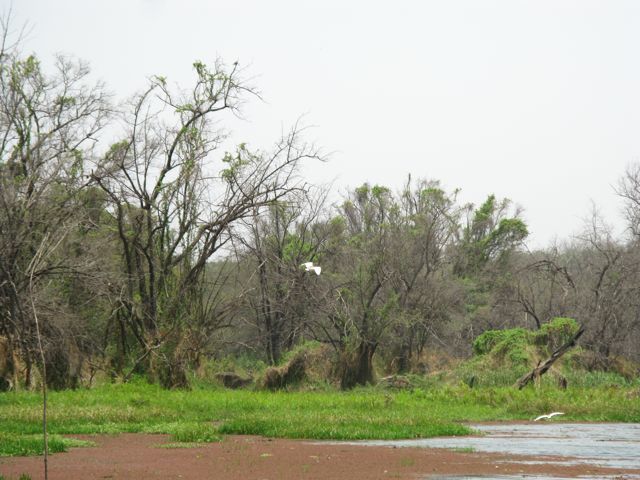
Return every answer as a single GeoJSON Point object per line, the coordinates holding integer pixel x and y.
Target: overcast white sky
{"type": "Point", "coordinates": [538, 101]}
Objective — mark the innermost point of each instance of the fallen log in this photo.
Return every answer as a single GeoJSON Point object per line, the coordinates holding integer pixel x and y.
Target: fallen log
{"type": "Point", "coordinates": [542, 368]}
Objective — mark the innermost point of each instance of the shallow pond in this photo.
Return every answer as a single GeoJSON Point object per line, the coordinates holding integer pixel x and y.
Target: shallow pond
{"type": "Point", "coordinates": [614, 445]}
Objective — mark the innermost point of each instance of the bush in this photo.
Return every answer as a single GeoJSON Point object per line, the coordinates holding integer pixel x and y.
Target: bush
{"type": "Point", "coordinates": [294, 371]}
{"type": "Point", "coordinates": [503, 356]}
{"type": "Point", "coordinates": [512, 342]}
{"type": "Point", "coordinates": [555, 333]}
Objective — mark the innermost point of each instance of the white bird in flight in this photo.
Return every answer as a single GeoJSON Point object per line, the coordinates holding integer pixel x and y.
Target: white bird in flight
{"type": "Point", "coordinates": [309, 267]}
{"type": "Point", "coordinates": [547, 417]}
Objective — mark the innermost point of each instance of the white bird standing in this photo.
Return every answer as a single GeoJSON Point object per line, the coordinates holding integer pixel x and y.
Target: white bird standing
{"type": "Point", "coordinates": [309, 267]}
{"type": "Point", "coordinates": [547, 417]}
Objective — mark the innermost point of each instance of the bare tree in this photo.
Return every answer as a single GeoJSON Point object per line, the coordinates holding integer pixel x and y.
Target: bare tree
{"type": "Point", "coordinates": [629, 190]}
{"type": "Point", "coordinates": [48, 125]}
{"type": "Point", "coordinates": [174, 208]}
{"type": "Point", "coordinates": [544, 288]}
{"type": "Point", "coordinates": [606, 274]}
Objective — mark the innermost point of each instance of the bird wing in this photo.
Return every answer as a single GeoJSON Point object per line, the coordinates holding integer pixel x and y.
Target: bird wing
{"type": "Point", "coordinates": [545, 417]}
{"type": "Point", "coordinates": [317, 270]}
{"type": "Point", "coordinates": [307, 266]}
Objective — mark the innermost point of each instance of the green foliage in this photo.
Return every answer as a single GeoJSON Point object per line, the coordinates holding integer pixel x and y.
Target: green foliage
{"type": "Point", "coordinates": [501, 340]}
{"type": "Point", "coordinates": [489, 236]}
{"type": "Point", "coordinates": [295, 248]}
{"type": "Point", "coordinates": [503, 356]}
{"type": "Point", "coordinates": [236, 162]}
{"type": "Point", "coordinates": [483, 214]}
{"type": "Point", "coordinates": [24, 70]}
{"type": "Point", "coordinates": [510, 232]}
{"type": "Point", "coordinates": [556, 333]}
{"type": "Point", "coordinates": [378, 191]}
{"type": "Point", "coordinates": [33, 444]}
{"type": "Point", "coordinates": [162, 80]}
{"type": "Point", "coordinates": [304, 347]}
{"type": "Point", "coordinates": [63, 101]}
{"type": "Point", "coordinates": [117, 149]}
{"type": "Point", "coordinates": [513, 343]}
{"type": "Point", "coordinates": [366, 193]}
{"type": "Point", "coordinates": [433, 193]}
{"type": "Point", "coordinates": [362, 192]}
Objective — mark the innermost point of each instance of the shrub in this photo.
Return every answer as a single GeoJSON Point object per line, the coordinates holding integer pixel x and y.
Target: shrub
{"type": "Point", "coordinates": [292, 372]}
{"type": "Point", "coordinates": [555, 333]}
{"type": "Point", "coordinates": [501, 342]}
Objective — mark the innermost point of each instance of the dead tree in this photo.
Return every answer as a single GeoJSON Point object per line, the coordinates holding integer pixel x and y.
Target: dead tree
{"type": "Point", "coordinates": [543, 367]}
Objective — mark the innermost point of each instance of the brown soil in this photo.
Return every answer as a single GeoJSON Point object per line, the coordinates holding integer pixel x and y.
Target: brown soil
{"type": "Point", "coordinates": [137, 456]}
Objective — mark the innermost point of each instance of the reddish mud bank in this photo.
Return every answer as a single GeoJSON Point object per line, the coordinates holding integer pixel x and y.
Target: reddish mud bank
{"type": "Point", "coordinates": [137, 456]}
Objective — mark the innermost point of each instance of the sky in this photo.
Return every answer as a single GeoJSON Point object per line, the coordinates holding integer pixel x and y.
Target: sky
{"type": "Point", "coordinates": [537, 101]}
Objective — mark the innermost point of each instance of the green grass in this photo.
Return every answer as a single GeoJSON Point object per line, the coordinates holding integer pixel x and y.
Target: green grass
{"type": "Point", "coordinates": [203, 414]}
{"type": "Point", "coordinates": [196, 433]}
{"type": "Point", "coordinates": [33, 444]}
{"type": "Point", "coordinates": [487, 374]}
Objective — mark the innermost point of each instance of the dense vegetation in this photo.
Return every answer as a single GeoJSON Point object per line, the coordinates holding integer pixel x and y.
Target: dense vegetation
{"type": "Point", "coordinates": [140, 259]}
{"type": "Point", "coordinates": [157, 255]}
{"type": "Point", "coordinates": [205, 412]}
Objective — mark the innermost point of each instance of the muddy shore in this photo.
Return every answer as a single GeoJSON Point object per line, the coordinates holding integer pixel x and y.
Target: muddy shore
{"type": "Point", "coordinates": [138, 456]}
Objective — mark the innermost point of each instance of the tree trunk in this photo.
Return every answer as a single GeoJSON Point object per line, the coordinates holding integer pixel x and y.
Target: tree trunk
{"type": "Point", "coordinates": [404, 358]}
{"type": "Point", "coordinates": [541, 368]}
{"type": "Point", "coordinates": [358, 370]}
{"type": "Point", "coordinates": [121, 345]}
{"type": "Point", "coordinates": [274, 345]}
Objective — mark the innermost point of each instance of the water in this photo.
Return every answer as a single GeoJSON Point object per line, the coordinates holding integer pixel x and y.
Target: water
{"type": "Point", "coordinates": [525, 477]}
{"type": "Point", "coordinates": [519, 477]}
{"type": "Point", "coordinates": [613, 445]}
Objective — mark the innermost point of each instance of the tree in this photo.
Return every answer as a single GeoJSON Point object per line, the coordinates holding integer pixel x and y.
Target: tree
{"type": "Point", "coordinates": [279, 240]}
{"type": "Point", "coordinates": [629, 190]}
{"type": "Point", "coordinates": [485, 263]}
{"type": "Point", "coordinates": [607, 275]}
{"type": "Point", "coordinates": [544, 288]}
{"type": "Point", "coordinates": [490, 235]}
{"type": "Point", "coordinates": [48, 124]}
{"type": "Point", "coordinates": [358, 301]}
{"type": "Point", "coordinates": [174, 208]}
{"type": "Point", "coordinates": [423, 230]}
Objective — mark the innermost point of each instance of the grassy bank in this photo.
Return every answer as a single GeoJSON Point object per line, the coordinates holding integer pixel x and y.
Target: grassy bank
{"type": "Point", "coordinates": [203, 414]}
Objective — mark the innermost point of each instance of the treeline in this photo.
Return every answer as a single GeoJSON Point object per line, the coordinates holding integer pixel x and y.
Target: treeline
{"type": "Point", "coordinates": [159, 252]}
